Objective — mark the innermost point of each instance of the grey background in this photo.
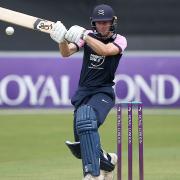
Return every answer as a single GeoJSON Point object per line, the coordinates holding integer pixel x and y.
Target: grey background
{"type": "Point", "coordinates": [147, 24]}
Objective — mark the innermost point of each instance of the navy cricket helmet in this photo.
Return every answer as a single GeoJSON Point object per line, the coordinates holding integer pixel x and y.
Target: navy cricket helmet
{"type": "Point", "coordinates": [103, 12]}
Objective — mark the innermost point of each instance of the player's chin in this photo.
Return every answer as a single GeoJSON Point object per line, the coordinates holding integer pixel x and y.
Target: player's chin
{"type": "Point", "coordinates": [105, 34]}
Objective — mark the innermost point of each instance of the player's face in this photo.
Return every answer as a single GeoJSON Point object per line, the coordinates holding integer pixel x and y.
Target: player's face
{"type": "Point", "coordinates": [103, 27]}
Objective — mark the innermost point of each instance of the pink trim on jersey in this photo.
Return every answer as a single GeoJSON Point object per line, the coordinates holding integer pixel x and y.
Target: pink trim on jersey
{"type": "Point", "coordinates": [121, 42]}
{"type": "Point", "coordinates": [81, 42]}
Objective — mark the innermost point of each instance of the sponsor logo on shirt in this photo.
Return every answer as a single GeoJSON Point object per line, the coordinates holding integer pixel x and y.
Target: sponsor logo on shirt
{"type": "Point", "coordinates": [96, 61]}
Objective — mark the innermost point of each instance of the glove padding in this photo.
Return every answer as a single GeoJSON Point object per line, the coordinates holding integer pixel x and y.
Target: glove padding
{"type": "Point", "coordinates": [75, 33]}
{"type": "Point", "coordinates": [58, 32]}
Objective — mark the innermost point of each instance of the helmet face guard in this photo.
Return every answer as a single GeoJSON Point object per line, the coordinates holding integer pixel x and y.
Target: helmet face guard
{"type": "Point", "coordinates": [112, 27]}
{"type": "Point", "coordinates": [103, 13]}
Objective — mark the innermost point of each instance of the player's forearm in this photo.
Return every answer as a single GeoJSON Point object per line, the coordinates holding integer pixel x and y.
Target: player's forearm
{"type": "Point", "coordinates": [64, 49]}
{"type": "Point", "coordinates": [99, 47]}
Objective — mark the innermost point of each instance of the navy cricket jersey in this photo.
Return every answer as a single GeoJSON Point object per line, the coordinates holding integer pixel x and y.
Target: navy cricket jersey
{"type": "Point", "coordinates": [99, 71]}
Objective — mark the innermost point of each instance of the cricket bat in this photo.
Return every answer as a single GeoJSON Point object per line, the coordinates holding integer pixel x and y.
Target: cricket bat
{"type": "Point", "coordinates": [25, 20]}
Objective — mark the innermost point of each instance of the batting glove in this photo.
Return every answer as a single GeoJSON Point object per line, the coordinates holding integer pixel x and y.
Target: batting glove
{"type": "Point", "coordinates": [58, 32]}
{"type": "Point", "coordinates": [75, 33]}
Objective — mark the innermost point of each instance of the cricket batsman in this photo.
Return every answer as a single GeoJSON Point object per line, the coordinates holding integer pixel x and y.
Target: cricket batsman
{"type": "Point", "coordinates": [94, 98]}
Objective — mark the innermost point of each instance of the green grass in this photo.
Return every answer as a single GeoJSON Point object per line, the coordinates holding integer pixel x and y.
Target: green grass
{"type": "Point", "coordinates": [32, 147]}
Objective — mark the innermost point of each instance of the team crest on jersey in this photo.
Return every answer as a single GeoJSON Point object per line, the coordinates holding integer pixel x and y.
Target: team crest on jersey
{"type": "Point", "coordinates": [96, 61]}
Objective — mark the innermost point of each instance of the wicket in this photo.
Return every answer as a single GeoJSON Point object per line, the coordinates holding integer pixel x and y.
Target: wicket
{"type": "Point", "coordinates": [130, 106]}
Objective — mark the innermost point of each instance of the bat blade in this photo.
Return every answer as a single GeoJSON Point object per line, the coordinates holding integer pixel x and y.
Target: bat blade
{"type": "Point", "coordinates": [25, 20]}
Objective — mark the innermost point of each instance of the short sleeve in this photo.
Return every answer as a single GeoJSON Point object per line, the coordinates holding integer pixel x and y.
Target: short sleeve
{"type": "Point", "coordinates": [80, 43]}
{"type": "Point", "coordinates": [120, 42]}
